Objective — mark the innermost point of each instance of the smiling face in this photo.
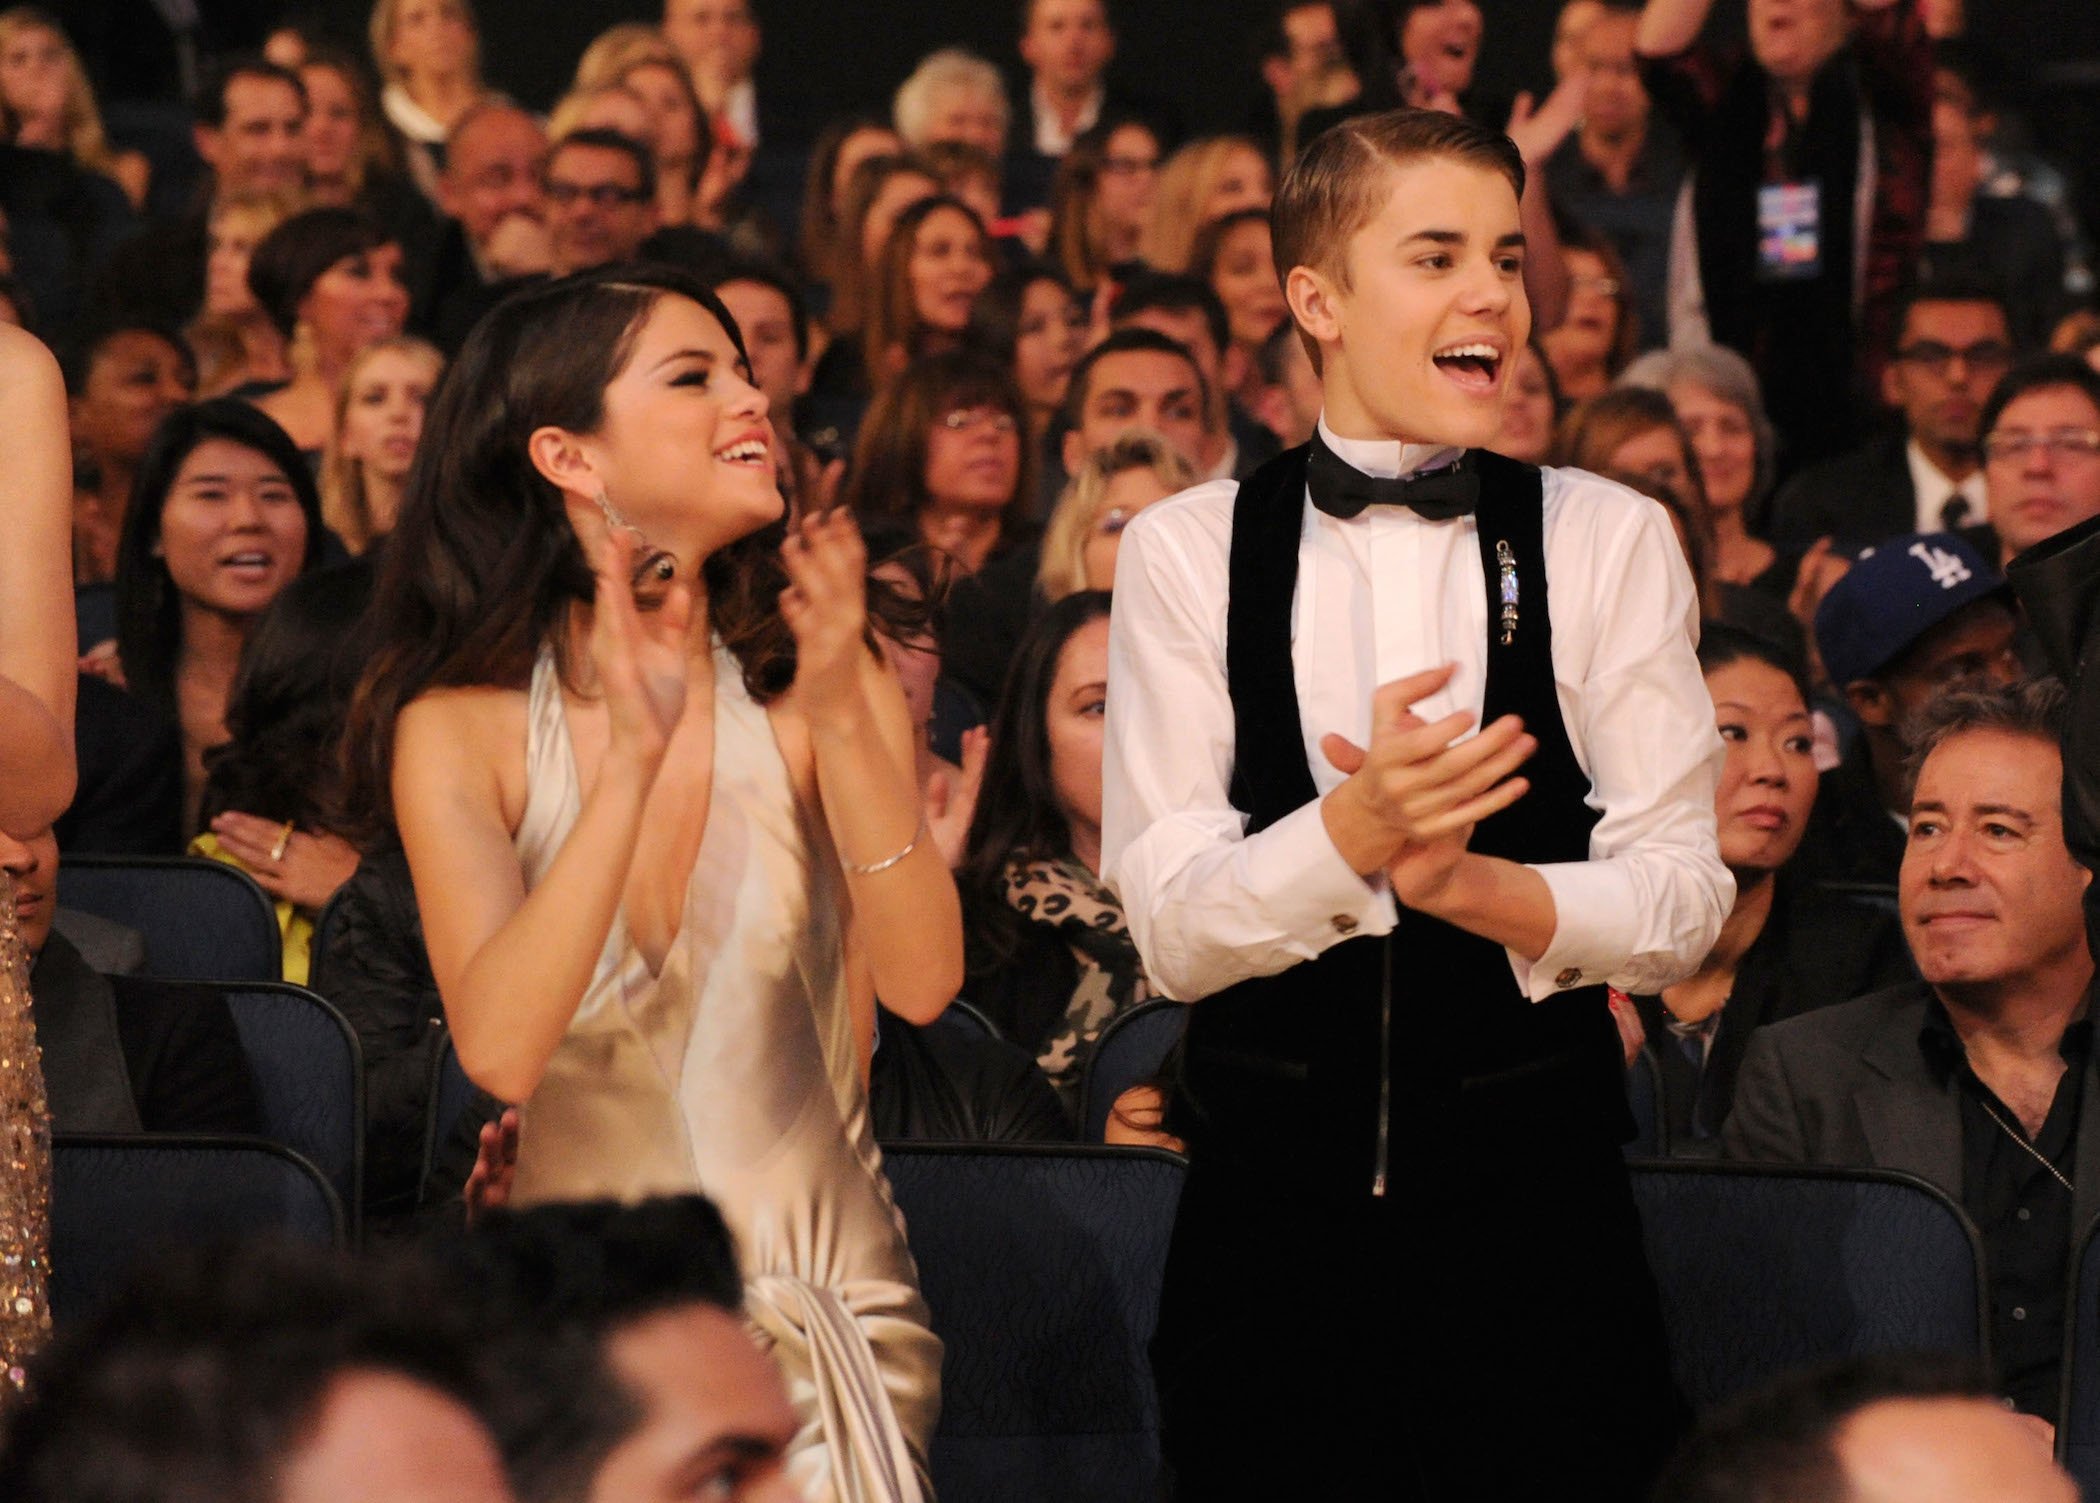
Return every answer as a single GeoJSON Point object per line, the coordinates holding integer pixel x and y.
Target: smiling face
{"type": "Point", "coordinates": [136, 379]}
{"type": "Point", "coordinates": [261, 147]}
{"type": "Point", "coordinates": [2038, 494]}
{"type": "Point", "coordinates": [1244, 278]}
{"type": "Point", "coordinates": [949, 267]}
{"type": "Point", "coordinates": [1724, 441]}
{"type": "Point", "coordinates": [383, 415]}
{"type": "Point", "coordinates": [1768, 779]}
{"type": "Point", "coordinates": [685, 450]}
{"type": "Point", "coordinates": [1989, 893]}
{"type": "Point", "coordinates": [232, 532]}
{"type": "Point", "coordinates": [1047, 343]}
{"type": "Point", "coordinates": [1417, 336]}
{"type": "Point", "coordinates": [1072, 721]}
{"type": "Point", "coordinates": [358, 301]}
{"type": "Point", "coordinates": [598, 211]}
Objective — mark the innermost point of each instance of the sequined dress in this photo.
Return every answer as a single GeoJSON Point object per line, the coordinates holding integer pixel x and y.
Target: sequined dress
{"type": "Point", "coordinates": [25, 1180]}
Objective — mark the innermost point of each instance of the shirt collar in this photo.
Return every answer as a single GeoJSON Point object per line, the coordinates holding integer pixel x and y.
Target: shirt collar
{"type": "Point", "coordinates": [1385, 458]}
{"type": "Point", "coordinates": [1051, 139]}
{"type": "Point", "coordinates": [1933, 489]}
{"type": "Point", "coordinates": [1945, 1053]}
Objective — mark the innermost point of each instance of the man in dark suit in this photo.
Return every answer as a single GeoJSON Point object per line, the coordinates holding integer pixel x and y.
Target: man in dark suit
{"type": "Point", "coordinates": [1953, 342]}
{"type": "Point", "coordinates": [1067, 45]}
{"type": "Point", "coordinates": [1975, 1077]}
{"type": "Point", "coordinates": [121, 1053]}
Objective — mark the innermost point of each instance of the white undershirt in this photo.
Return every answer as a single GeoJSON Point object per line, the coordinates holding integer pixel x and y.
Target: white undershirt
{"type": "Point", "coordinates": [1209, 905]}
{"type": "Point", "coordinates": [1934, 489]}
{"type": "Point", "coordinates": [1051, 138]}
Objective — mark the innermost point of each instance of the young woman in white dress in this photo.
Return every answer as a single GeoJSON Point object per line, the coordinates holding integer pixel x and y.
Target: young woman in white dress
{"type": "Point", "coordinates": [656, 789]}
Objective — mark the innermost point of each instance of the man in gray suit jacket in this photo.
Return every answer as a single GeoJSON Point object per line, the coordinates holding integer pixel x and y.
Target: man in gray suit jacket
{"type": "Point", "coordinates": [1976, 1078]}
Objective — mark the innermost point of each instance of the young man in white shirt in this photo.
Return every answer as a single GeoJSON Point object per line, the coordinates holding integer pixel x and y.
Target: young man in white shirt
{"type": "Point", "coordinates": [1402, 1091]}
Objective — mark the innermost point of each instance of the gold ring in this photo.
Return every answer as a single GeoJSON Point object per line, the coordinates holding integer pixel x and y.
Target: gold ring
{"type": "Point", "coordinates": [284, 840]}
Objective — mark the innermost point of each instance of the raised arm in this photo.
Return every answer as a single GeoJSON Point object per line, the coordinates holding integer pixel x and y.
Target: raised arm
{"type": "Point", "coordinates": [906, 918]}
{"type": "Point", "coordinates": [1668, 27]}
{"type": "Point", "coordinates": [511, 965]}
{"type": "Point", "coordinates": [37, 647]}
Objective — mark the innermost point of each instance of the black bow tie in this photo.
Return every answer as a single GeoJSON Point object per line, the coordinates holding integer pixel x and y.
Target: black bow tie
{"type": "Point", "coordinates": [1340, 489]}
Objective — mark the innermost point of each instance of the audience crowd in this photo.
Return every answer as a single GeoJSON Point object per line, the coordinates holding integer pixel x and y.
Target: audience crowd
{"type": "Point", "coordinates": [1821, 295]}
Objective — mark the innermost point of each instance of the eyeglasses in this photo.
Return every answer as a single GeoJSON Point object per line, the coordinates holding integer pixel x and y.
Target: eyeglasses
{"type": "Point", "coordinates": [1930, 354]}
{"type": "Point", "coordinates": [1602, 286]}
{"type": "Point", "coordinates": [1113, 521]}
{"type": "Point", "coordinates": [1129, 166]}
{"type": "Point", "coordinates": [961, 419]}
{"type": "Point", "coordinates": [2061, 443]}
{"type": "Point", "coordinates": [599, 195]}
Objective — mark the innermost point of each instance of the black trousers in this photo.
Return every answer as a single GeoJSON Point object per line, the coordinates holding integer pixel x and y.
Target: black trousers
{"type": "Point", "coordinates": [1490, 1331]}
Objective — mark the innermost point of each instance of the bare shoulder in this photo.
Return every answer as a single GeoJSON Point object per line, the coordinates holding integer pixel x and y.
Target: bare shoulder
{"type": "Point", "coordinates": [28, 370]}
{"type": "Point", "coordinates": [466, 741]}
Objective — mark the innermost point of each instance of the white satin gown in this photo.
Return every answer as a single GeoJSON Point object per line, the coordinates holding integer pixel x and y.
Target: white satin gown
{"type": "Point", "coordinates": [735, 1073]}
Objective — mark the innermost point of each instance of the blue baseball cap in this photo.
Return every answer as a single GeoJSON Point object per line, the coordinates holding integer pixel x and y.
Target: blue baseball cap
{"type": "Point", "coordinates": [1897, 591]}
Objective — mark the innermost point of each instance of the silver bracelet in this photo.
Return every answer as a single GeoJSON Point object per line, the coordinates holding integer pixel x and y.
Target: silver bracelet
{"type": "Point", "coordinates": [888, 861]}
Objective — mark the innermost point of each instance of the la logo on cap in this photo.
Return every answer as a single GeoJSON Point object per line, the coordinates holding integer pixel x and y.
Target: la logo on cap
{"type": "Point", "coordinates": [1947, 569]}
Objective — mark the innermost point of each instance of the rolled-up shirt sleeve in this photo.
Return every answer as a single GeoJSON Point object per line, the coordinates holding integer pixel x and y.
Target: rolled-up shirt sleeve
{"type": "Point", "coordinates": [1647, 906]}
{"type": "Point", "coordinates": [1207, 903]}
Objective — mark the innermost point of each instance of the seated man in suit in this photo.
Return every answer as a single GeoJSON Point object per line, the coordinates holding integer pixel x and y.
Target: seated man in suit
{"type": "Point", "coordinates": [1914, 617]}
{"type": "Point", "coordinates": [1974, 1078]}
{"type": "Point", "coordinates": [1953, 342]}
{"type": "Point", "coordinates": [121, 1053]}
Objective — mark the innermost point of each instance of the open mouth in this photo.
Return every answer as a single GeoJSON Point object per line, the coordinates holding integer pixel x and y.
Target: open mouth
{"type": "Point", "coordinates": [249, 565]}
{"type": "Point", "coordinates": [747, 451]}
{"type": "Point", "coordinates": [1475, 366]}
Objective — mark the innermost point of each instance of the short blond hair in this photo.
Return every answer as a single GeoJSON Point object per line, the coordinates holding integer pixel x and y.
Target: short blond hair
{"type": "Point", "coordinates": [1063, 568]}
{"type": "Point", "coordinates": [617, 51]}
{"type": "Point", "coordinates": [382, 34]}
{"type": "Point", "coordinates": [1338, 183]}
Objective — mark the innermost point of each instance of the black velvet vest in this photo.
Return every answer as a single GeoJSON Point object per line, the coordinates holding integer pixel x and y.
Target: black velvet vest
{"type": "Point", "coordinates": [1426, 1028]}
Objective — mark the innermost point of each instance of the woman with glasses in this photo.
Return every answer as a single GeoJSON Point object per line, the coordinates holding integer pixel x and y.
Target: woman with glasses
{"type": "Point", "coordinates": [940, 462]}
{"type": "Point", "coordinates": [1598, 334]}
{"type": "Point", "coordinates": [1101, 201]}
{"type": "Point", "coordinates": [1113, 486]}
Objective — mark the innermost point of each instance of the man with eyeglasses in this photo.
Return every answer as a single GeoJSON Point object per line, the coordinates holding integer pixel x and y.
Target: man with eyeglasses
{"type": "Point", "coordinates": [1953, 343]}
{"type": "Point", "coordinates": [601, 199]}
{"type": "Point", "coordinates": [2041, 451]}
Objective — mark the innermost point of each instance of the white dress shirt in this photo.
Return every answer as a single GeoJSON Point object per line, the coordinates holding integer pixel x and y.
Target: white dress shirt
{"type": "Point", "coordinates": [1210, 905]}
{"type": "Point", "coordinates": [1934, 490]}
{"type": "Point", "coordinates": [1051, 138]}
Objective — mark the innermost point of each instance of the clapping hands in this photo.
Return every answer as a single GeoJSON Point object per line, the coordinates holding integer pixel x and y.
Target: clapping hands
{"type": "Point", "coordinates": [640, 657]}
{"type": "Point", "coordinates": [826, 607]}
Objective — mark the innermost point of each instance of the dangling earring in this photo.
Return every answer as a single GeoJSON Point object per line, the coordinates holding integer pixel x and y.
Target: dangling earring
{"type": "Point", "coordinates": [657, 563]}
{"type": "Point", "coordinates": [303, 353]}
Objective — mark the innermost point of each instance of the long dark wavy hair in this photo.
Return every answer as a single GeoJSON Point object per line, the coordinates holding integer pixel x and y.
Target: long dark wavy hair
{"type": "Point", "coordinates": [284, 718]}
{"type": "Point", "coordinates": [1017, 817]}
{"type": "Point", "coordinates": [483, 565]}
{"type": "Point", "coordinates": [148, 606]}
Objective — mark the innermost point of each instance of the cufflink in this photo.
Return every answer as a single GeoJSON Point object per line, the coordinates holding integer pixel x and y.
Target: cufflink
{"type": "Point", "coordinates": [1343, 924]}
{"type": "Point", "coordinates": [1568, 977]}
